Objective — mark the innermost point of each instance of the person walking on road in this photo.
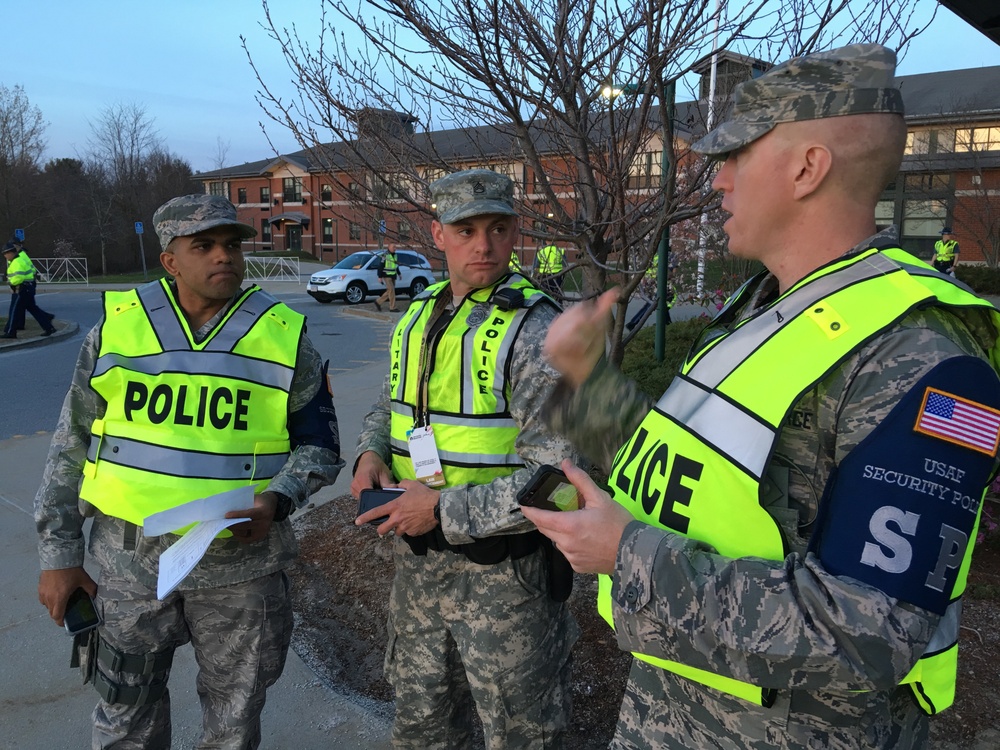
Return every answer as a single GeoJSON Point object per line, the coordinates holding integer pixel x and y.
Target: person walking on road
{"type": "Point", "coordinates": [21, 279]}
{"type": "Point", "coordinates": [477, 611]}
{"type": "Point", "coordinates": [389, 274]}
{"type": "Point", "coordinates": [185, 389]}
{"type": "Point", "coordinates": [792, 522]}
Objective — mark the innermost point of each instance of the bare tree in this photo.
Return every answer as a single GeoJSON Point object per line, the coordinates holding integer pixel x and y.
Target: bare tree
{"type": "Point", "coordinates": [519, 86]}
{"type": "Point", "coordinates": [221, 152]}
{"type": "Point", "coordinates": [123, 140]}
{"type": "Point", "coordinates": [22, 143]}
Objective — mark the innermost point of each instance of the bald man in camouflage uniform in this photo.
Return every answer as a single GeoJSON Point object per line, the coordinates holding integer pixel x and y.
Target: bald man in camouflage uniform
{"type": "Point", "coordinates": [234, 606]}
{"type": "Point", "coordinates": [872, 502]}
{"type": "Point", "coordinates": [473, 615]}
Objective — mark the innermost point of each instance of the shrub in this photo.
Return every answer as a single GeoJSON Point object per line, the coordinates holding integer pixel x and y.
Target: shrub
{"type": "Point", "coordinates": [640, 363]}
{"type": "Point", "coordinates": [982, 279]}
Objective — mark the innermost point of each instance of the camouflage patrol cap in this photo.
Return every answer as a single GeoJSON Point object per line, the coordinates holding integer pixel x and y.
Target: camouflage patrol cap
{"type": "Point", "coordinates": [472, 192]}
{"type": "Point", "coordinates": [190, 214]}
{"type": "Point", "coordinates": [852, 80]}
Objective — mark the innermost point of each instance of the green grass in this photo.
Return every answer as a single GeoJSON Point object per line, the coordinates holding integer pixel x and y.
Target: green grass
{"type": "Point", "coordinates": [640, 363]}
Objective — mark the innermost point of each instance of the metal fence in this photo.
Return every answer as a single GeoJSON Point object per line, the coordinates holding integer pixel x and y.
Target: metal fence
{"type": "Point", "coordinates": [61, 270]}
{"type": "Point", "coordinates": [273, 269]}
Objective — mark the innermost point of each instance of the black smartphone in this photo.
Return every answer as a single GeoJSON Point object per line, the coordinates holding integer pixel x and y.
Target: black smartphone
{"type": "Point", "coordinates": [369, 499]}
{"type": "Point", "coordinates": [549, 489]}
{"type": "Point", "coordinates": [81, 613]}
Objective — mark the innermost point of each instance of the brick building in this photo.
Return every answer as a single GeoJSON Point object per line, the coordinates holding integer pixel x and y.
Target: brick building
{"type": "Point", "coordinates": [317, 200]}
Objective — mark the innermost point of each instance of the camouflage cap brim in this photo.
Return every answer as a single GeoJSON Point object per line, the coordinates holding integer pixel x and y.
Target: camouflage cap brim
{"type": "Point", "coordinates": [190, 214]}
{"type": "Point", "coordinates": [852, 80]}
{"type": "Point", "coordinates": [472, 192]}
{"type": "Point", "coordinates": [476, 208]}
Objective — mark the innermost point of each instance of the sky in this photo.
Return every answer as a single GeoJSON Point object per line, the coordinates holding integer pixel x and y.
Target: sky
{"type": "Point", "coordinates": [183, 61]}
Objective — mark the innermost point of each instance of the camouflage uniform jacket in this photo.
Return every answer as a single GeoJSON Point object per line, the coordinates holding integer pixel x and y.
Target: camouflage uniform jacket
{"type": "Point", "coordinates": [59, 513]}
{"type": "Point", "coordinates": [476, 511]}
{"type": "Point", "coordinates": [784, 623]}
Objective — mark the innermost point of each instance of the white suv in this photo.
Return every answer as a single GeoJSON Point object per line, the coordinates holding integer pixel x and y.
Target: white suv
{"type": "Point", "coordinates": [356, 277]}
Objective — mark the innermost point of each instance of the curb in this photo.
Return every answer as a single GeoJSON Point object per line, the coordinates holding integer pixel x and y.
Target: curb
{"type": "Point", "coordinates": [64, 329]}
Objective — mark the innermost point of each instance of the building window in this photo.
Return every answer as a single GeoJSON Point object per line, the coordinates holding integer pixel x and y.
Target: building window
{"type": "Point", "coordinates": [326, 192]}
{"type": "Point", "coordinates": [265, 231]}
{"type": "Point", "coordinates": [265, 194]}
{"type": "Point", "coordinates": [356, 189]}
{"type": "Point", "coordinates": [241, 195]}
{"type": "Point", "coordinates": [885, 214]}
{"type": "Point", "coordinates": [291, 190]}
{"type": "Point", "coordinates": [404, 230]}
{"type": "Point", "coordinates": [355, 232]}
{"type": "Point", "coordinates": [218, 188]}
{"type": "Point", "coordinates": [924, 218]}
{"type": "Point", "coordinates": [977, 139]}
{"type": "Point", "coordinates": [327, 230]}
{"type": "Point", "coordinates": [926, 182]}
{"type": "Point", "coordinates": [646, 171]}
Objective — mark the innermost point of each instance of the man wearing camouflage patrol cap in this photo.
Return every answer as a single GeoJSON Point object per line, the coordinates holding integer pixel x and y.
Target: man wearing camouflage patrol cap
{"type": "Point", "coordinates": [477, 607]}
{"type": "Point", "coordinates": [792, 522]}
{"type": "Point", "coordinates": [178, 395]}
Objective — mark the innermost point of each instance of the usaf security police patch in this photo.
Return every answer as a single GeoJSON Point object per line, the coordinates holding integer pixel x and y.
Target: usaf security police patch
{"type": "Point", "coordinates": [478, 315]}
{"type": "Point", "coordinates": [901, 509]}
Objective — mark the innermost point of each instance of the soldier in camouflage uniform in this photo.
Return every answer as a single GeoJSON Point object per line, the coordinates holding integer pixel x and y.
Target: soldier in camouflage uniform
{"type": "Point", "coordinates": [234, 607]}
{"type": "Point", "coordinates": [473, 614]}
{"type": "Point", "coordinates": [807, 510]}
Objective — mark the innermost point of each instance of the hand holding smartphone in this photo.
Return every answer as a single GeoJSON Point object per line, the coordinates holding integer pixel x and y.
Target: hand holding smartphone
{"type": "Point", "coordinates": [368, 499]}
{"type": "Point", "coordinates": [81, 613]}
{"type": "Point", "coordinates": [549, 489]}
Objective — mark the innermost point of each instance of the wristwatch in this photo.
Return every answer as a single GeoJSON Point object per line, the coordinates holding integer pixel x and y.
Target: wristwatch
{"type": "Point", "coordinates": [437, 511]}
{"type": "Point", "coordinates": [284, 507]}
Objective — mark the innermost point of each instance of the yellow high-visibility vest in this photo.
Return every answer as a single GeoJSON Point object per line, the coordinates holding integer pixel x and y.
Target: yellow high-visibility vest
{"type": "Point", "coordinates": [705, 447]}
{"type": "Point", "coordinates": [186, 420]}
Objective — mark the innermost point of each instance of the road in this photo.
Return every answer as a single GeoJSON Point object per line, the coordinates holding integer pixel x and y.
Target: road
{"type": "Point", "coordinates": [40, 375]}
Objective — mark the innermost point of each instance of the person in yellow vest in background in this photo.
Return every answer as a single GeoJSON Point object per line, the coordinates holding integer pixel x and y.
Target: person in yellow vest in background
{"type": "Point", "coordinates": [477, 612]}
{"type": "Point", "coordinates": [389, 273]}
{"type": "Point", "coordinates": [792, 522]}
{"type": "Point", "coordinates": [185, 389]}
{"type": "Point", "coordinates": [946, 252]}
{"type": "Point", "coordinates": [549, 261]}
{"type": "Point", "coordinates": [514, 264]}
{"type": "Point", "coordinates": [21, 279]}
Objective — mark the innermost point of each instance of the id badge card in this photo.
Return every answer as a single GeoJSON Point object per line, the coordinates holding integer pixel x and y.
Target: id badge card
{"type": "Point", "coordinates": [424, 455]}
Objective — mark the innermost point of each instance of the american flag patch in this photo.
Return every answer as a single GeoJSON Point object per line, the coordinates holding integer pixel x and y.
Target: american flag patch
{"type": "Point", "coordinates": [959, 421]}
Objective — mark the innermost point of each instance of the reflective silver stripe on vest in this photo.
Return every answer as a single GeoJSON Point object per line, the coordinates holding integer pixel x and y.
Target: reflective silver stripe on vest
{"type": "Point", "coordinates": [736, 434]}
{"type": "Point", "coordinates": [455, 458]}
{"type": "Point", "coordinates": [163, 317]}
{"type": "Point", "coordinates": [488, 420]}
{"type": "Point", "coordinates": [716, 366]}
{"type": "Point", "coordinates": [480, 459]}
{"type": "Point", "coordinates": [946, 634]}
{"type": "Point", "coordinates": [157, 459]}
{"type": "Point", "coordinates": [221, 364]}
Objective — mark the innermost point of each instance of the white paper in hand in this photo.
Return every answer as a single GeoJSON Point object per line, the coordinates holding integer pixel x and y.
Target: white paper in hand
{"type": "Point", "coordinates": [209, 508]}
{"type": "Point", "coordinates": [181, 557]}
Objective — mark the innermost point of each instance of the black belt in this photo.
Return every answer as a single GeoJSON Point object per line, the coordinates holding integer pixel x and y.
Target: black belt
{"type": "Point", "coordinates": [489, 551]}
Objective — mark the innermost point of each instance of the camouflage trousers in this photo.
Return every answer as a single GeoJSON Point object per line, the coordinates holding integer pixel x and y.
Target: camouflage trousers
{"type": "Point", "coordinates": [240, 635]}
{"type": "Point", "coordinates": [662, 710]}
{"type": "Point", "coordinates": [463, 635]}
